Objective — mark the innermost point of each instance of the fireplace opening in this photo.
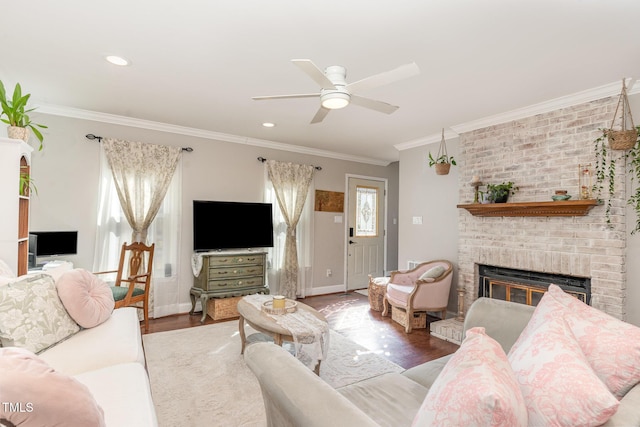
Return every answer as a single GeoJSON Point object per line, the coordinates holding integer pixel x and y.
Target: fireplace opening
{"type": "Point", "coordinates": [527, 287]}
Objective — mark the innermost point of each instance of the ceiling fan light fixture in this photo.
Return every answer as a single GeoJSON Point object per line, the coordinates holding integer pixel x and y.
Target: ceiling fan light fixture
{"type": "Point", "coordinates": [335, 100]}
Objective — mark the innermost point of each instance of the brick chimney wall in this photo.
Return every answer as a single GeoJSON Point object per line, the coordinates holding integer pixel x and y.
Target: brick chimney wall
{"type": "Point", "coordinates": [541, 154]}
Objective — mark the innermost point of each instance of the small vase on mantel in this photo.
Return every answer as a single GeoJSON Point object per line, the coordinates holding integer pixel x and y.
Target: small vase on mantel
{"type": "Point", "coordinates": [17, 132]}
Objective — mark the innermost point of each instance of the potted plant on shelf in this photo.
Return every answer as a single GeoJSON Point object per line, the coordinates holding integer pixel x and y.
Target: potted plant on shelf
{"type": "Point", "coordinates": [16, 112]}
{"type": "Point", "coordinates": [499, 193]}
{"type": "Point", "coordinates": [27, 186]}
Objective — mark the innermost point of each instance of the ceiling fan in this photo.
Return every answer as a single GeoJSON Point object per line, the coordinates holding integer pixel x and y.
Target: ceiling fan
{"type": "Point", "coordinates": [335, 93]}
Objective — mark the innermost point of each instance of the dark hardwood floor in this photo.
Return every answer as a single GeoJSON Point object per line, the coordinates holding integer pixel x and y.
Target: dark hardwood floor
{"type": "Point", "coordinates": [350, 315]}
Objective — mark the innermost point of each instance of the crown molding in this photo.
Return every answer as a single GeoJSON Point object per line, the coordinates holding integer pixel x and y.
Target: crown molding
{"type": "Point", "coordinates": [76, 113]}
{"type": "Point", "coordinates": [448, 134]}
{"type": "Point", "coordinates": [577, 98]}
{"type": "Point", "coordinates": [604, 91]}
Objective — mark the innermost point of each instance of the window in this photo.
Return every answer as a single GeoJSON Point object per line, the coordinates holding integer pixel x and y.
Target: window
{"type": "Point", "coordinates": [113, 231]}
{"type": "Point", "coordinates": [366, 211]}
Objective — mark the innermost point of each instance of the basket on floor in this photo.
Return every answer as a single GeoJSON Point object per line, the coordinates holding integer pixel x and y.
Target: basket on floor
{"type": "Point", "coordinates": [377, 289]}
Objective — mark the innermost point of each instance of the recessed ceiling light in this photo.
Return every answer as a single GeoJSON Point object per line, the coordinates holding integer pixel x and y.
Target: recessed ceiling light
{"type": "Point", "coordinates": [268, 124]}
{"type": "Point", "coordinates": [117, 60]}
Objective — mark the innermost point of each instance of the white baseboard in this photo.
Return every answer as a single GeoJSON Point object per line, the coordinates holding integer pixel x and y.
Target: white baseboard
{"type": "Point", "coordinates": [168, 310]}
{"type": "Point", "coordinates": [325, 290]}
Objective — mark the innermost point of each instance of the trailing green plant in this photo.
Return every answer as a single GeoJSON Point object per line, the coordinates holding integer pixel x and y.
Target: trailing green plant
{"type": "Point", "coordinates": [16, 112]}
{"type": "Point", "coordinates": [499, 191]}
{"type": "Point", "coordinates": [605, 170]}
{"type": "Point", "coordinates": [27, 185]}
{"type": "Point", "coordinates": [442, 159]}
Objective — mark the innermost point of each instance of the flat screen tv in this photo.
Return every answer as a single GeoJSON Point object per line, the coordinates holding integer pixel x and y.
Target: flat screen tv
{"type": "Point", "coordinates": [52, 243]}
{"type": "Point", "coordinates": [221, 225]}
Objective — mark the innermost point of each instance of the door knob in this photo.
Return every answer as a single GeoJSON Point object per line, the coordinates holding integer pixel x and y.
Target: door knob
{"type": "Point", "coordinates": [351, 242]}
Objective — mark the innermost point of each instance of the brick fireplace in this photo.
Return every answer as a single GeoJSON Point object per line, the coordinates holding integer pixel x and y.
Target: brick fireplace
{"type": "Point", "coordinates": [541, 154]}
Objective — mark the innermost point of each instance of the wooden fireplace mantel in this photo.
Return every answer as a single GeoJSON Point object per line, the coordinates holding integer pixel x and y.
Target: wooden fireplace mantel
{"type": "Point", "coordinates": [562, 208]}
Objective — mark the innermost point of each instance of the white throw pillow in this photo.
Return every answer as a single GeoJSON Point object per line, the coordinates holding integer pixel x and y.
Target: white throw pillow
{"type": "Point", "coordinates": [476, 388]}
{"type": "Point", "coordinates": [432, 273]}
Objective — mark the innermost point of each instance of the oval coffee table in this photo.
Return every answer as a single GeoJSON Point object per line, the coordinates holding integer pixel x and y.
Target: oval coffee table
{"type": "Point", "coordinates": [265, 324]}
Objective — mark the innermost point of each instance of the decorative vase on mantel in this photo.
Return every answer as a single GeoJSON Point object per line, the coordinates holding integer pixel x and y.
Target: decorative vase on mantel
{"type": "Point", "coordinates": [17, 132]}
{"type": "Point", "coordinates": [625, 137]}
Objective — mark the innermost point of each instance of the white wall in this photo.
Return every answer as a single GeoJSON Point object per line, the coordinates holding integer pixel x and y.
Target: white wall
{"type": "Point", "coordinates": [434, 198]}
{"type": "Point", "coordinates": [67, 170]}
{"type": "Point", "coordinates": [633, 242]}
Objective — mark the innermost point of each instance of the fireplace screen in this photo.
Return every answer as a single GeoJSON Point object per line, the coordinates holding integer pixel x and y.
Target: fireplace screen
{"type": "Point", "coordinates": [527, 287]}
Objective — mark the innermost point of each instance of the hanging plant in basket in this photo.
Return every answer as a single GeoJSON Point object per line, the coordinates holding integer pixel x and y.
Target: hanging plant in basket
{"type": "Point", "coordinates": [442, 161]}
{"type": "Point", "coordinates": [605, 169]}
{"type": "Point", "coordinates": [619, 139]}
{"type": "Point", "coordinates": [624, 137]}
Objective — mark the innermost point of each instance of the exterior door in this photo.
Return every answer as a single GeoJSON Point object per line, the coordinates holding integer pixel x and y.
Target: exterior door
{"type": "Point", "coordinates": [365, 231]}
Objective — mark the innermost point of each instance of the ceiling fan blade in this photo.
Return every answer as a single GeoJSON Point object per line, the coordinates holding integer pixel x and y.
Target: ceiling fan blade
{"type": "Point", "coordinates": [372, 104]}
{"type": "Point", "coordinates": [314, 72]}
{"type": "Point", "coordinates": [402, 72]}
{"type": "Point", "coordinates": [299, 95]}
{"type": "Point", "coordinates": [320, 115]}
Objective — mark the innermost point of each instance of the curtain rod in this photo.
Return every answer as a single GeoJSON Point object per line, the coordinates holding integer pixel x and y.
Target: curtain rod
{"type": "Point", "coordinates": [262, 159]}
{"type": "Point", "coordinates": [99, 138]}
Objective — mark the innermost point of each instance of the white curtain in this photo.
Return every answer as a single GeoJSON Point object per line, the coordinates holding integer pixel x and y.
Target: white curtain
{"type": "Point", "coordinates": [113, 230]}
{"type": "Point", "coordinates": [142, 173]}
{"type": "Point", "coordinates": [288, 188]}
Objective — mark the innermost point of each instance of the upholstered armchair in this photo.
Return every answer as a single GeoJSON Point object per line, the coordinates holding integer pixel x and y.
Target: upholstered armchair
{"type": "Point", "coordinates": [425, 288]}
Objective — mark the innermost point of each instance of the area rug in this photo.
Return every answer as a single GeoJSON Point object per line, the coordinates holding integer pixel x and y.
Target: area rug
{"type": "Point", "coordinates": [199, 378]}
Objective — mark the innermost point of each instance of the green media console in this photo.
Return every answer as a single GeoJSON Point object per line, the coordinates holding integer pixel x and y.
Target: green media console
{"type": "Point", "coordinates": [228, 274]}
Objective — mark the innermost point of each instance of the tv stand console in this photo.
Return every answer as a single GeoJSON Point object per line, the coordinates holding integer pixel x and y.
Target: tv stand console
{"type": "Point", "coordinates": [227, 274]}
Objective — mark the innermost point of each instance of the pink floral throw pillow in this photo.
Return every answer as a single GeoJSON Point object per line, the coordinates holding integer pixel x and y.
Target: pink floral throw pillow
{"type": "Point", "coordinates": [612, 346]}
{"type": "Point", "coordinates": [476, 388]}
{"type": "Point", "coordinates": [557, 382]}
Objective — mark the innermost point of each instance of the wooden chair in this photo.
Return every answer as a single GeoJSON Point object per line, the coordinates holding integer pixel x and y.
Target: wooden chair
{"type": "Point", "coordinates": [413, 291]}
{"type": "Point", "coordinates": [137, 271]}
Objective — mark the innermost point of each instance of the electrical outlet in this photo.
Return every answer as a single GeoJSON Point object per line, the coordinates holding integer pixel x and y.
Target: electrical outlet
{"type": "Point", "coordinates": [329, 272]}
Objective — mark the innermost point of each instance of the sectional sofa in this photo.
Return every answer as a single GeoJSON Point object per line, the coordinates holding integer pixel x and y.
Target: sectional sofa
{"type": "Point", "coordinates": [479, 384]}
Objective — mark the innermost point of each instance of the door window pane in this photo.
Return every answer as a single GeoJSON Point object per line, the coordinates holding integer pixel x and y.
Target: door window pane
{"type": "Point", "coordinates": [366, 211]}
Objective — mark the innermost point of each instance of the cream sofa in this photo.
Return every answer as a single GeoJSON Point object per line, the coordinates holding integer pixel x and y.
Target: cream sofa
{"type": "Point", "coordinates": [109, 360]}
{"type": "Point", "coordinates": [295, 396]}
